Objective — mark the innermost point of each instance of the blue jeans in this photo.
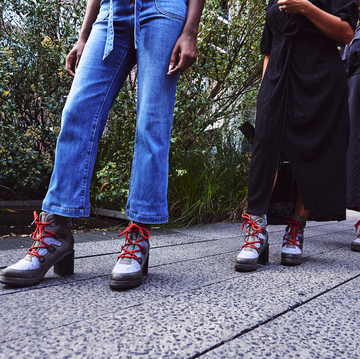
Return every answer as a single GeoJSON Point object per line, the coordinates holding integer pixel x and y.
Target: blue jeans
{"type": "Point", "coordinates": [156, 26]}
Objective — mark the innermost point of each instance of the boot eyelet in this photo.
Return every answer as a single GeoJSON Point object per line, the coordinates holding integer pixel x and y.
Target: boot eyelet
{"type": "Point", "coordinates": [140, 261]}
{"type": "Point", "coordinates": [52, 249]}
{"type": "Point", "coordinates": [42, 260]}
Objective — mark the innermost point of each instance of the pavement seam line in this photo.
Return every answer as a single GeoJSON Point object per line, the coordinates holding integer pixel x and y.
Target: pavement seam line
{"type": "Point", "coordinates": [263, 267]}
{"type": "Point", "coordinates": [290, 309]}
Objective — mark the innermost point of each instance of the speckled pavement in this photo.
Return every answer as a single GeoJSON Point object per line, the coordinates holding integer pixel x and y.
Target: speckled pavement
{"type": "Point", "coordinates": [192, 304]}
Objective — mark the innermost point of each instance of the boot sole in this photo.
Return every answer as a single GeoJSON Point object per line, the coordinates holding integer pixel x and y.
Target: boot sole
{"type": "Point", "coordinates": [124, 285]}
{"type": "Point", "coordinates": [244, 267]}
{"type": "Point", "coordinates": [355, 247]}
{"type": "Point", "coordinates": [289, 261]}
{"type": "Point", "coordinates": [251, 265]}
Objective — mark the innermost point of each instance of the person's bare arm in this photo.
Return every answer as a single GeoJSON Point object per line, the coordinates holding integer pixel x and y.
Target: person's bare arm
{"type": "Point", "coordinates": [72, 59]}
{"type": "Point", "coordinates": [330, 25]}
{"type": "Point", "coordinates": [184, 52]}
{"type": "Point", "coordinates": [266, 60]}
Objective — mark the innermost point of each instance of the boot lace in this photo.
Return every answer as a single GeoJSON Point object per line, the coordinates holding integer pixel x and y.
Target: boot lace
{"type": "Point", "coordinates": [256, 230]}
{"type": "Point", "coordinates": [356, 225]}
{"type": "Point", "coordinates": [294, 229]}
{"type": "Point", "coordinates": [41, 232]}
{"type": "Point", "coordinates": [131, 253]}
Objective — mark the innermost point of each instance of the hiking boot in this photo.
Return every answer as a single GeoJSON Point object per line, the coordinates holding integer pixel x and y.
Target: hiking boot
{"type": "Point", "coordinates": [355, 245]}
{"type": "Point", "coordinates": [133, 261]}
{"type": "Point", "coordinates": [291, 253]}
{"type": "Point", "coordinates": [256, 247]}
{"type": "Point", "coordinates": [53, 246]}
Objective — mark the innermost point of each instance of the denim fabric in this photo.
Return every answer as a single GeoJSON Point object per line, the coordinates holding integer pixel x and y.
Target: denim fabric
{"type": "Point", "coordinates": [95, 87]}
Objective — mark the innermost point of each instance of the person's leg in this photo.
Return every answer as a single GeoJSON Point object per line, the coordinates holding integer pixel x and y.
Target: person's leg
{"type": "Point", "coordinates": [262, 179]}
{"type": "Point", "coordinates": [299, 209]}
{"type": "Point", "coordinates": [94, 89]}
{"type": "Point", "coordinates": [293, 240]}
{"type": "Point", "coordinates": [147, 201]}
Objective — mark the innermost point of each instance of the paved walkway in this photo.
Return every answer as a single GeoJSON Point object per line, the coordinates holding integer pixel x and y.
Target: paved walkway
{"type": "Point", "coordinates": [193, 304]}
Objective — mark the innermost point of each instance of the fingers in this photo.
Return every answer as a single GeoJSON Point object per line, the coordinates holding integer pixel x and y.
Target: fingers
{"type": "Point", "coordinates": [73, 58]}
{"type": "Point", "coordinates": [185, 62]}
{"type": "Point", "coordinates": [281, 4]}
{"type": "Point", "coordinates": [291, 6]}
{"type": "Point", "coordinates": [181, 59]}
{"type": "Point", "coordinates": [70, 64]}
{"type": "Point", "coordinates": [173, 59]}
{"type": "Point", "coordinates": [77, 60]}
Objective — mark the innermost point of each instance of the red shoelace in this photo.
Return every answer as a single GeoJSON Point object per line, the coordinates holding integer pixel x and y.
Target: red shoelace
{"type": "Point", "coordinates": [133, 228]}
{"type": "Point", "coordinates": [256, 230]}
{"type": "Point", "coordinates": [356, 225]}
{"type": "Point", "coordinates": [294, 228]}
{"type": "Point", "coordinates": [40, 231]}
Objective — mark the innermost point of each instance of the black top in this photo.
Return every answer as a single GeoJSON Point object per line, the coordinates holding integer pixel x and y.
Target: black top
{"type": "Point", "coordinates": [303, 96]}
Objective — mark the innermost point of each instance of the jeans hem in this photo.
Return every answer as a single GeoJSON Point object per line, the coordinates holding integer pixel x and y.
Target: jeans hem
{"type": "Point", "coordinates": [147, 219]}
{"type": "Point", "coordinates": [66, 212]}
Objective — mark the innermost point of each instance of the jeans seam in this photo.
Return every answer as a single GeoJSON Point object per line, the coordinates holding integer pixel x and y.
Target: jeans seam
{"type": "Point", "coordinates": [149, 215]}
{"type": "Point", "coordinates": [170, 14]}
{"type": "Point", "coordinates": [63, 208]}
{"type": "Point", "coordinates": [95, 126]}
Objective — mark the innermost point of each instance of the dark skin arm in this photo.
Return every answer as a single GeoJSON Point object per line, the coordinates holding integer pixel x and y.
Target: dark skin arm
{"type": "Point", "coordinates": [184, 52]}
{"type": "Point", "coordinates": [330, 25]}
{"type": "Point", "coordinates": [73, 58]}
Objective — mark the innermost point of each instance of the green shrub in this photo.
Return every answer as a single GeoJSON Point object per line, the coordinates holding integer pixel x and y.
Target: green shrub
{"type": "Point", "coordinates": [35, 36]}
{"type": "Point", "coordinates": [24, 167]}
{"type": "Point", "coordinates": [210, 185]}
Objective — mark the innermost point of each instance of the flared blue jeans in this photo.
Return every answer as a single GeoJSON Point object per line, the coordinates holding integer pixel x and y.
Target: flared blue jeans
{"type": "Point", "coordinates": [142, 33]}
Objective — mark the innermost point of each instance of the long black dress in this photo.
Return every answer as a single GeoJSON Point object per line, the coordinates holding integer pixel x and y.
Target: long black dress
{"type": "Point", "coordinates": [302, 107]}
{"type": "Point", "coordinates": [352, 63]}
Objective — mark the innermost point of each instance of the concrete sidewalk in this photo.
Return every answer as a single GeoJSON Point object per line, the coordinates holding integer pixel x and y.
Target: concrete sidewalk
{"type": "Point", "coordinates": [193, 304]}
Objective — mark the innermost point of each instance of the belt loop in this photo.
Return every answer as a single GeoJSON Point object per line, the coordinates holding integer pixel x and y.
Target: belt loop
{"type": "Point", "coordinates": [109, 45]}
{"type": "Point", "coordinates": [137, 23]}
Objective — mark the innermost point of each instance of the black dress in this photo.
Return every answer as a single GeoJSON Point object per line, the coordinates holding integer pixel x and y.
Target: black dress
{"type": "Point", "coordinates": [352, 63]}
{"type": "Point", "coordinates": [302, 108]}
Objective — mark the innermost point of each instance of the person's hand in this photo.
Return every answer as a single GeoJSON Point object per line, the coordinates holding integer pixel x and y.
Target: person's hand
{"type": "Point", "coordinates": [73, 58]}
{"type": "Point", "coordinates": [183, 54]}
{"type": "Point", "coordinates": [292, 6]}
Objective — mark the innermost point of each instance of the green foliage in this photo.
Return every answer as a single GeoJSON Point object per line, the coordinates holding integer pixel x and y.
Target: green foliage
{"type": "Point", "coordinates": [210, 185]}
{"type": "Point", "coordinates": [35, 36]}
{"type": "Point", "coordinates": [23, 165]}
{"type": "Point", "coordinates": [214, 97]}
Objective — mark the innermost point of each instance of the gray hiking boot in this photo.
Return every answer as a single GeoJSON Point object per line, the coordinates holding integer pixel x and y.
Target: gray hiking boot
{"type": "Point", "coordinates": [293, 240]}
{"type": "Point", "coordinates": [256, 247]}
{"type": "Point", "coordinates": [53, 246]}
{"type": "Point", "coordinates": [133, 261]}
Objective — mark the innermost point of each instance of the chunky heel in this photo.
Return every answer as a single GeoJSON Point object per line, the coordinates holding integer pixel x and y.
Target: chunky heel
{"type": "Point", "coordinates": [264, 256]}
{"type": "Point", "coordinates": [66, 265]}
{"type": "Point", "coordinates": [146, 266]}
